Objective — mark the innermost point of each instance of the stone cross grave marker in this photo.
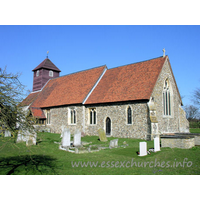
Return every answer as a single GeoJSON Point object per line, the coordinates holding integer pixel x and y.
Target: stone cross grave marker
{"type": "Point", "coordinates": [66, 138]}
{"type": "Point", "coordinates": [77, 138]}
{"type": "Point", "coordinates": [102, 135]}
{"type": "Point", "coordinates": [143, 149]}
{"type": "Point", "coordinates": [156, 144]}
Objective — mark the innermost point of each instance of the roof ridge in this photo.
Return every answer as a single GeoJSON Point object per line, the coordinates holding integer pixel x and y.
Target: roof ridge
{"type": "Point", "coordinates": [137, 62]}
{"type": "Point", "coordinates": [78, 72]}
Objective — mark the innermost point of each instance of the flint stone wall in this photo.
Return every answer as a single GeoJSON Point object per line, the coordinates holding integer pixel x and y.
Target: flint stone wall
{"type": "Point", "coordinates": [177, 122]}
{"type": "Point", "coordinates": [60, 117]}
{"type": "Point", "coordinates": [118, 114]}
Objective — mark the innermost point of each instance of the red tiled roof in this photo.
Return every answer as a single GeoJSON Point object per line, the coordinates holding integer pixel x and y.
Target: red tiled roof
{"type": "Point", "coordinates": [47, 64]}
{"type": "Point", "coordinates": [29, 99]}
{"type": "Point", "coordinates": [129, 82]}
{"type": "Point", "coordinates": [69, 89]}
{"type": "Point", "coordinates": [38, 113]}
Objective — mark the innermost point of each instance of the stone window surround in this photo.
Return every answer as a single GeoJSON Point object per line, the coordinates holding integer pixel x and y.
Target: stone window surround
{"type": "Point", "coordinates": [171, 99]}
{"type": "Point", "coordinates": [69, 116]}
{"type": "Point", "coordinates": [89, 109]}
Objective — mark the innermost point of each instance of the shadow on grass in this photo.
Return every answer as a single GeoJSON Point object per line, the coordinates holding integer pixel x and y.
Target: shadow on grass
{"type": "Point", "coordinates": [28, 165]}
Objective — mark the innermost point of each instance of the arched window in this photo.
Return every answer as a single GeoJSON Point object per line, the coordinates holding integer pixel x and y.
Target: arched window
{"type": "Point", "coordinates": [108, 126]}
{"type": "Point", "coordinates": [166, 99]}
{"type": "Point", "coordinates": [129, 115]}
{"type": "Point", "coordinates": [73, 116]}
{"type": "Point", "coordinates": [51, 73]}
{"type": "Point", "coordinates": [92, 116]}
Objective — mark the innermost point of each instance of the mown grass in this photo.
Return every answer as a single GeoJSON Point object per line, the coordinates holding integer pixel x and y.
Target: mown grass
{"type": "Point", "coordinates": [194, 130]}
{"type": "Point", "coordinates": [46, 158]}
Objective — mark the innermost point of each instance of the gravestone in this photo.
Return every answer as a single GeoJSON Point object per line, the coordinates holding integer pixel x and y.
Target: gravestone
{"type": "Point", "coordinates": [116, 142]}
{"type": "Point", "coordinates": [77, 138]}
{"type": "Point", "coordinates": [21, 136]}
{"type": "Point", "coordinates": [102, 135]}
{"type": "Point", "coordinates": [31, 139]}
{"type": "Point", "coordinates": [7, 133]}
{"type": "Point", "coordinates": [143, 149]}
{"type": "Point", "coordinates": [112, 144]}
{"type": "Point", "coordinates": [66, 138]}
{"type": "Point", "coordinates": [76, 150]}
{"type": "Point", "coordinates": [25, 135]}
{"type": "Point", "coordinates": [156, 144]}
{"type": "Point", "coordinates": [62, 131]}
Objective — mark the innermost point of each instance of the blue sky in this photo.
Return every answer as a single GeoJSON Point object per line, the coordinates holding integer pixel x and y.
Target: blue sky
{"type": "Point", "coordinates": [75, 48]}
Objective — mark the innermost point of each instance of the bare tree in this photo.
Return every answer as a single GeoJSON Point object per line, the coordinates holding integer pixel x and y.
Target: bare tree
{"type": "Point", "coordinates": [192, 112]}
{"type": "Point", "coordinates": [196, 97]}
{"type": "Point", "coordinates": [11, 94]}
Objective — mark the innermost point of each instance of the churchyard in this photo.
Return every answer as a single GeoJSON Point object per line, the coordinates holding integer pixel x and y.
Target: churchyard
{"type": "Point", "coordinates": [116, 156]}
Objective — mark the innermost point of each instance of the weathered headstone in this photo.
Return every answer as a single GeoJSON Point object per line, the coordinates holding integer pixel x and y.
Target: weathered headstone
{"type": "Point", "coordinates": [76, 150]}
{"type": "Point", "coordinates": [66, 138]}
{"type": "Point", "coordinates": [25, 135]}
{"type": "Point", "coordinates": [62, 131]}
{"type": "Point", "coordinates": [143, 149]}
{"type": "Point", "coordinates": [7, 133]}
{"type": "Point", "coordinates": [116, 142]}
{"type": "Point", "coordinates": [156, 144]}
{"type": "Point", "coordinates": [102, 135]}
{"type": "Point", "coordinates": [77, 138]}
{"type": "Point", "coordinates": [112, 144]}
{"type": "Point", "coordinates": [31, 139]}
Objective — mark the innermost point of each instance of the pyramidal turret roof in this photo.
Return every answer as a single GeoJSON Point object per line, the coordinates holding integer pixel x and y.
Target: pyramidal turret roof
{"type": "Point", "coordinates": [47, 64]}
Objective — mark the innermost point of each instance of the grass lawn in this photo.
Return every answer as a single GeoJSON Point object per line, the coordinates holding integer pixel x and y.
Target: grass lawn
{"type": "Point", "coordinates": [46, 158]}
{"type": "Point", "coordinates": [194, 130]}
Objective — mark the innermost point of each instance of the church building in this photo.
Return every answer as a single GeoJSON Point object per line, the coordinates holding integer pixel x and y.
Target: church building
{"type": "Point", "coordinates": [131, 101]}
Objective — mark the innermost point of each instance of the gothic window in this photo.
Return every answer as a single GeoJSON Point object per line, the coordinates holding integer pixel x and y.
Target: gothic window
{"type": "Point", "coordinates": [48, 117]}
{"type": "Point", "coordinates": [37, 73]}
{"type": "Point", "coordinates": [92, 115]}
{"type": "Point", "coordinates": [73, 116]}
{"type": "Point", "coordinates": [51, 73]}
{"type": "Point", "coordinates": [129, 115]}
{"type": "Point", "coordinates": [166, 99]}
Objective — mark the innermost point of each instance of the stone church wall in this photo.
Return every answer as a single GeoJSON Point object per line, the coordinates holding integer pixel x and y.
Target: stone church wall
{"type": "Point", "coordinates": [60, 118]}
{"type": "Point", "coordinates": [118, 114]}
{"type": "Point", "coordinates": [167, 124]}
